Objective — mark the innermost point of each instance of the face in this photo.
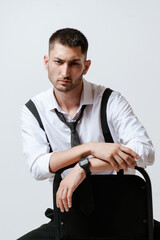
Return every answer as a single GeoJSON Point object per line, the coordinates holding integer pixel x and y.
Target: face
{"type": "Point", "coordinates": [66, 67]}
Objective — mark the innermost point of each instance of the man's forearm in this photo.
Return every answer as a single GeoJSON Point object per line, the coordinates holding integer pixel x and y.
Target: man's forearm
{"type": "Point", "coordinates": [98, 165]}
{"type": "Point", "coordinates": [62, 159]}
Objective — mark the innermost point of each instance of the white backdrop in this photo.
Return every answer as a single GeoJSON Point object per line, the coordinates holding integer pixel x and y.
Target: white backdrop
{"type": "Point", "coordinates": [124, 48]}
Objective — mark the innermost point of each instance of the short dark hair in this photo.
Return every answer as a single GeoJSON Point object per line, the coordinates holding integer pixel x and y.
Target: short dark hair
{"type": "Point", "coordinates": [69, 37]}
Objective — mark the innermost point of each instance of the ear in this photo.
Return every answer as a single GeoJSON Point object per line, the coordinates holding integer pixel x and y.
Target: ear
{"type": "Point", "coordinates": [87, 65]}
{"type": "Point", "coordinates": [46, 59]}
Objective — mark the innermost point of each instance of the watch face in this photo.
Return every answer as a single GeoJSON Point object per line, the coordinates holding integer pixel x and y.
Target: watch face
{"type": "Point", "coordinates": [84, 162]}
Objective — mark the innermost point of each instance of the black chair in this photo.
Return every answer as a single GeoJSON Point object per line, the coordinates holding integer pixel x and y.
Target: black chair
{"type": "Point", "coordinates": [110, 207]}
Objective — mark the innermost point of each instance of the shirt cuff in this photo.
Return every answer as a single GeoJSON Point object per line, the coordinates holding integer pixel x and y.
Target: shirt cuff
{"type": "Point", "coordinates": [40, 168]}
{"type": "Point", "coordinates": [146, 154]}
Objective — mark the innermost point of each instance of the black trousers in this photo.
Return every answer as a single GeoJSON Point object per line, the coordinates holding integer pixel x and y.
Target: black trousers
{"type": "Point", "coordinates": [46, 232]}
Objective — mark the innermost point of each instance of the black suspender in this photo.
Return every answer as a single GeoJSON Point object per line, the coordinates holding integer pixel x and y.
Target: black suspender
{"type": "Point", "coordinates": [32, 107]}
{"type": "Point", "coordinates": [104, 123]}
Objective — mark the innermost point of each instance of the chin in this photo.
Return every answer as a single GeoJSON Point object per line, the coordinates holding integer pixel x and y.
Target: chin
{"type": "Point", "coordinates": [63, 89]}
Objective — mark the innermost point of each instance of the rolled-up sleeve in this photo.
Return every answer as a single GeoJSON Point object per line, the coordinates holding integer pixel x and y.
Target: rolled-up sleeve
{"type": "Point", "coordinates": [35, 146]}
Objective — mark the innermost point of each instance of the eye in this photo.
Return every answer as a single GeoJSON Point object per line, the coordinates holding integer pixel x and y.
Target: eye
{"type": "Point", "coordinates": [74, 63]}
{"type": "Point", "coordinates": [58, 62]}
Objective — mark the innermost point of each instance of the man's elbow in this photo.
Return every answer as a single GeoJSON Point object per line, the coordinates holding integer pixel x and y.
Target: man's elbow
{"type": "Point", "coordinates": [37, 175]}
{"type": "Point", "coordinates": [148, 158]}
{"type": "Point", "coordinates": [40, 174]}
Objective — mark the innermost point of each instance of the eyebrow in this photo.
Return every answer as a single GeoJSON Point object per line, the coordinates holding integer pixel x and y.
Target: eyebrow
{"type": "Point", "coordinates": [72, 60]}
{"type": "Point", "coordinates": [76, 60]}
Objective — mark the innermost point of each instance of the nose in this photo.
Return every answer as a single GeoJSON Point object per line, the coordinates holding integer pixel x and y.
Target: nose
{"type": "Point", "coordinates": [65, 70]}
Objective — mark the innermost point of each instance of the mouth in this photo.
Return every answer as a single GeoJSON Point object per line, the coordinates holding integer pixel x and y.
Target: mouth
{"type": "Point", "coordinates": [64, 81]}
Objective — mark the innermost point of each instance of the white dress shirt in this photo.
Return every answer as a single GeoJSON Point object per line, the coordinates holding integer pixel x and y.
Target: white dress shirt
{"type": "Point", "coordinates": [123, 124]}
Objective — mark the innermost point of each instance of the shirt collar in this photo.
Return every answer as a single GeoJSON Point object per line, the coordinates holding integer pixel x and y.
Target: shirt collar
{"type": "Point", "coordinates": [50, 101]}
{"type": "Point", "coordinates": [86, 97]}
{"type": "Point", "coordinates": [87, 94]}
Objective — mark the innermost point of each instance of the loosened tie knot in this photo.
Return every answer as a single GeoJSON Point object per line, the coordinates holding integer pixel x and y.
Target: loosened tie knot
{"type": "Point", "coordinates": [72, 125]}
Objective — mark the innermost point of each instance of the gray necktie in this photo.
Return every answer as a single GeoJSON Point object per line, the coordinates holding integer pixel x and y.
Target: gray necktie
{"type": "Point", "coordinates": [72, 125]}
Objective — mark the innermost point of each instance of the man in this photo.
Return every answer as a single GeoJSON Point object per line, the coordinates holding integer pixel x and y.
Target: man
{"type": "Point", "coordinates": [66, 64]}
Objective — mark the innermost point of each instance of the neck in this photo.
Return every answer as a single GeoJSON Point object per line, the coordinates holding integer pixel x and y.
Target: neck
{"type": "Point", "coordinates": [69, 101]}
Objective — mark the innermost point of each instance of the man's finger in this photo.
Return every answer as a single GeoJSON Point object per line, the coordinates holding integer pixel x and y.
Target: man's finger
{"type": "Point", "coordinates": [129, 151]}
{"type": "Point", "coordinates": [130, 161]}
{"type": "Point", "coordinates": [121, 162]}
{"type": "Point", "coordinates": [69, 198]}
{"type": "Point", "coordinates": [60, 205]}
{"type": "Point", "coordinates": [64, 200]}
{"type": "Point", "coordinates": [113, 163]}
{"type": "Point", "coordinates": [59, 199]}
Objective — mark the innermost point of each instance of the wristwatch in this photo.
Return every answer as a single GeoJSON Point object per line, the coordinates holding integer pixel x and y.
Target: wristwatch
{"type": "Point", "coordinates": [84, 163]}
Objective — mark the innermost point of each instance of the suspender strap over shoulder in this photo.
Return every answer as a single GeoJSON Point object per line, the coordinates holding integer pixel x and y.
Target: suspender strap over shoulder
{"type": "Point", "coordinates": [31, 106]}
{"type": "Point", "coordinates": [104, 124]}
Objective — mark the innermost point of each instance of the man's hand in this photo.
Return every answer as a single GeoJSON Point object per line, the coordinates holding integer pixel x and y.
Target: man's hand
{"type": "Point", "coordinates": [117, 155]}
{"type": "Point", "coordinates": [68, 186]}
